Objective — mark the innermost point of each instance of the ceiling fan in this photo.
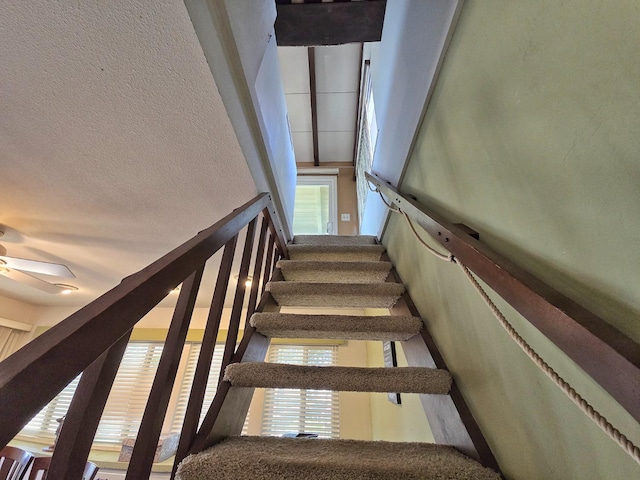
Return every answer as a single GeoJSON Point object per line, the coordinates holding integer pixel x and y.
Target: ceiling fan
{"type": "Point", "coordinates": [20, 270]}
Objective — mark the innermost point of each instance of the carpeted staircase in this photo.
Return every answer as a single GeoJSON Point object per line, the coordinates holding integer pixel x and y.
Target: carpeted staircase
{"type": "Point", "coordinates": [333, 271]}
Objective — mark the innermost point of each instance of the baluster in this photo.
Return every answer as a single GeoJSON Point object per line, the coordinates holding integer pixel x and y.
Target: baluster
{"type": "Point", "coordinates": [236, 310]}
{"type": "Point", "coordinates": [257, 271]}
{"type": "Point", "coordinates": [267, 268]}
{"type": "Point", "coordinates": [201, 375]}
{"type": "Point", "coordinates": [82, 419]}
{"type": "Point", "coordinates": [156, 409]}
{"type": "Point", "coordinates": [276, 232]}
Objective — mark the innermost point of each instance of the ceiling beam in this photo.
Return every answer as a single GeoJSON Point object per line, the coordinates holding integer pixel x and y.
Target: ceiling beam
{"type": "Point", "coordinates": [335, 23]}
{"type": "Point", "coordinates": [314, 104]}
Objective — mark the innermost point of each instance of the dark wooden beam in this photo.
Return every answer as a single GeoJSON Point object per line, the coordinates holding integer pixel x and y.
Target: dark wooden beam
{"type": "Point", "coordinates": [336, 23]}
{"type": "Point", "coordinates": [314, 104]}
{"type": "Point", "coordinates": [603, 352]}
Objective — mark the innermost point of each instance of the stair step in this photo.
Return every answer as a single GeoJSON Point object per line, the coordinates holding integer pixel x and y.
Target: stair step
{"type": "Point", "coordinates": [335, 239]}
{"type": "Point", "coordinates": [338, 272]}
{"type": "Point", "coordinates": [349, 327]}
{"type": "Point", "coordinates": [343, 379]}
{"type": "Point", "coordinates": [352, 253]}
{"type": "Point", "coordinates": [244, 458]}
{"type": "Point", "coordinates": [355, 295]}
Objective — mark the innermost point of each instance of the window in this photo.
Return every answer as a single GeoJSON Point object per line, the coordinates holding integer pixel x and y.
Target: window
{"type": "Point", "coordinates": [192, 353]}
{"type": "Point", "coordinates": [367, 138]}
{"type": "Point", "coordinates": [315, 211]}
{"type": "Point", "coordinates": [124, 408]}
{"type": "Point", "coordinates": [301, 411]}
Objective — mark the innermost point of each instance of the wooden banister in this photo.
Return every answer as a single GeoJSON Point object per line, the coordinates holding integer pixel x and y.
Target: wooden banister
{"type": "Point", "coordinates": [602, 351]}
{"type": "Point", "coordinates": [93, 341]}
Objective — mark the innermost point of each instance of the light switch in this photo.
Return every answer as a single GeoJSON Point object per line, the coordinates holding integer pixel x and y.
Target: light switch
{"type": "Point", "coordinates": [345, 217]}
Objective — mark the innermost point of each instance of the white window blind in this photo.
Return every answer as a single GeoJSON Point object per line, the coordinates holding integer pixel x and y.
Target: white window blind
{"type": "Point", "coordinates": [290, 411]}
{"type": "Point", "coordinates": [193, 351]}
{"type": "Point", "coordinates": [128, 398]}
{"type": "Point", "coordinates": [126, 402]}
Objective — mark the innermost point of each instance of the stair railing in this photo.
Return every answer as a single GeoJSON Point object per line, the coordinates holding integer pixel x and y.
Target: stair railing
{"type": "Point", "coordinates": [603, 352]}
{"type": "Point", "coordinates": [92, 341]}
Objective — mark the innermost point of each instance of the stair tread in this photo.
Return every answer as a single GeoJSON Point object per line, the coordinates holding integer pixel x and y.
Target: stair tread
{"type": "Point", "coordinates": [349, 327]}
{"type": "Point", "coordinates": [335, 252]}
{"type": "Point", "coordinates": [345, 379]}
{"type": "Point", "coordinates": [356, 295]}
{"type": "Point", "coordinates": [335, 240]}
{"type": "Point", "coordinates": [243, 458]}
{"type": "Point", "coordinates": [335, 271]}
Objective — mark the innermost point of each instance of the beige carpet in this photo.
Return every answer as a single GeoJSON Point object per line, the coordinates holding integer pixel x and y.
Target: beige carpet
{"type": "Point", "coordinates": [347, 253]}
{"type": "Point", "coordinates": [349, 327]}
{"type": "Point", "coordinates": [307, 294]}
{"type": "Point", "coordinates": [334, 240]}
{"type": "Point", "coordinates": [334, 272]}
{"type": "Point", "coordinates": [343, 379]}
{"type": "Point", "coordinates": [250, 458]}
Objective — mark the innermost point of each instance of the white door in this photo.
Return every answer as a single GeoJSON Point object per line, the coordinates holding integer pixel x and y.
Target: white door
{"type": "Point", "coordinates": [315, 210]}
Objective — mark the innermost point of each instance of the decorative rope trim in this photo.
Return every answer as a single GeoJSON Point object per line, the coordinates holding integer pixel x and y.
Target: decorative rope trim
{"type": "Point", "coordinates": [575, 397]}
{"type": "Point", "coordinates": [627, 445]}
{"type": "Point", "coordinates": [441, 256]}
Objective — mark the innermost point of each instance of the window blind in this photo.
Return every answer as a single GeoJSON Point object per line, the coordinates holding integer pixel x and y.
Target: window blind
{"type": "Point", "coordinates": [292, 411]}
{"type": "Point", "coordinates": [125, 405]}
{"type": "Point", "coordinates": [128, 398]}
{"type": "Point", "coordinates": [192, 352]}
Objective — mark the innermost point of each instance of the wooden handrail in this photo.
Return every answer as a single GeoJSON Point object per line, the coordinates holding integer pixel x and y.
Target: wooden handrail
{"type": "Point", "coordinates": [35, 374]}
{"type": "Point", "coordinates": [607, 355]}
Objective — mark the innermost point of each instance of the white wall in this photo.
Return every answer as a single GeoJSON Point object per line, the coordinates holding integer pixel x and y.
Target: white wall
{"type": "Point", "coordinates": [403, 66]}
{"type": "Point", "coordinates": [16, 310]}
{"type": "Point", "coordinates": [238, 40]}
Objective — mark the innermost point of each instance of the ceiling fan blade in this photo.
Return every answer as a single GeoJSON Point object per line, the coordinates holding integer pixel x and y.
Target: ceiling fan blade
{"type": "Point", "coordinates": [35, 266]}
{"type": "Point", "coordinates": [34, 282]}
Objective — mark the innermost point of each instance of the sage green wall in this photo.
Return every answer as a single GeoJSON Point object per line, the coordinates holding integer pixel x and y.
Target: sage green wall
{"type": "Point", "coordinates": [533, 139]}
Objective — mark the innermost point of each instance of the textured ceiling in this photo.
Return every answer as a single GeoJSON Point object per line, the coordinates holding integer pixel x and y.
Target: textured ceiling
{"type": "Point", "coordinates": [115, 146]}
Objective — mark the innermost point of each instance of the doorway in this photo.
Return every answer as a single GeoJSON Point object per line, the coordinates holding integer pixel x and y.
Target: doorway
{"type": "Point", "coordinates": [315, 209]}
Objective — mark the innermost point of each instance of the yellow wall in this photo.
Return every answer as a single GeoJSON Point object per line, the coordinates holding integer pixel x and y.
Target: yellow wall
{"type": "Point", "coordinates": [406, 422]}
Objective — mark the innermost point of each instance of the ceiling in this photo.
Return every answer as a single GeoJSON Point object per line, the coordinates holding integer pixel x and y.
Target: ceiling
{"type": "Point", "coordinates": [115, 146]}
{"type": "Point", "coordinates": [337, 77]}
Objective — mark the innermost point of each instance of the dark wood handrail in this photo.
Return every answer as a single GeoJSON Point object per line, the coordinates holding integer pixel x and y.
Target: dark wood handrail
{"type": "Point", "coordinates": [607, 355]}
{"type": "Point", "coordinates": [35, 374]}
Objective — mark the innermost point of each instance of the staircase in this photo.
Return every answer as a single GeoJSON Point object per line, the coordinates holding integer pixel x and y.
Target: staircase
{"type": "Point", "coordinates": [334, 271]}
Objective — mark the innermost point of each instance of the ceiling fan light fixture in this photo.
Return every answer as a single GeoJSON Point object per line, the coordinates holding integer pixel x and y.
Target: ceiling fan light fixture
{"type": "Point", "coordinates": [176, 290]}
{"type": "Point", "coordinates": [66, 289]}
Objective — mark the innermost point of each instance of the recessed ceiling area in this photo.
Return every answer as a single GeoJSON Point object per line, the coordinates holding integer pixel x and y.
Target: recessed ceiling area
{"type": "Point", "coordinates": [337, 76]}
